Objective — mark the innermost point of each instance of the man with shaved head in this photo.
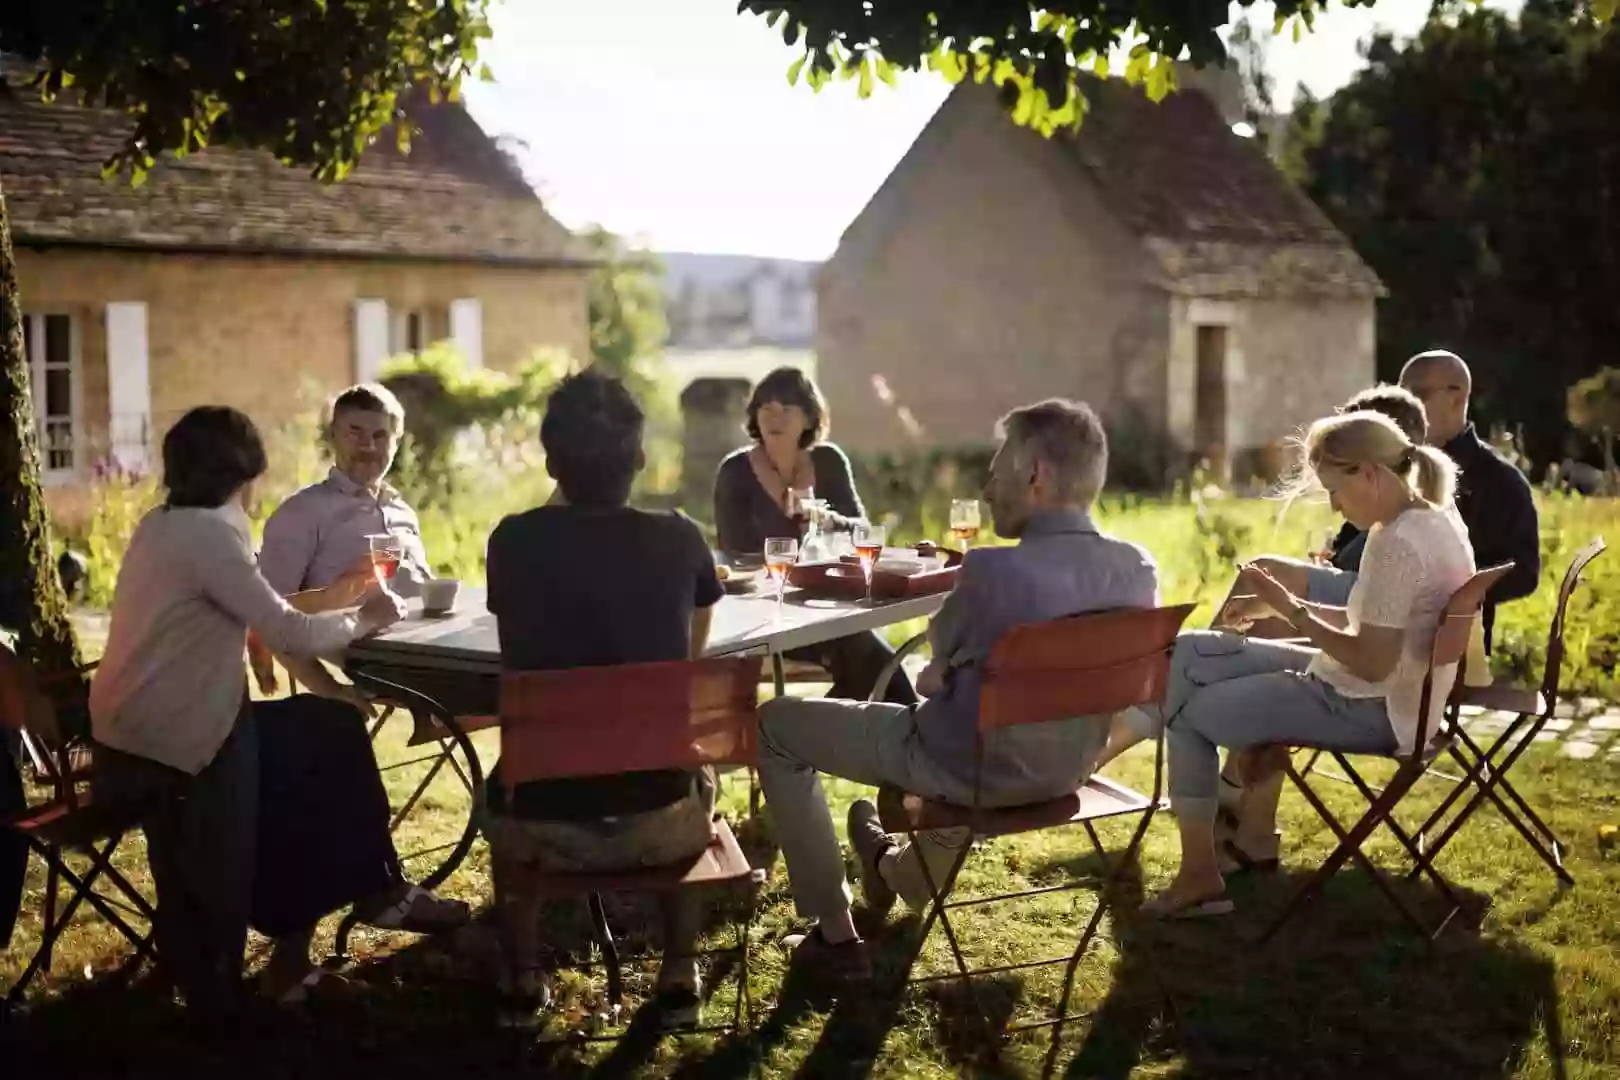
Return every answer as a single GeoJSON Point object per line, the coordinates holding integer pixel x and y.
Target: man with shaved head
{"type": "Point", "coordinates": [1493, 497]}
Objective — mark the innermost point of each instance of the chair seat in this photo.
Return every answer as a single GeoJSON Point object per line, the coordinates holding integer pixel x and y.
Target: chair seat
{"type": "Point", "coordinates": [78, 764]}
{"type": "Point", "coordinates": [1099, 798]}
{"type": "Point", "coordinates": [427, 728]}
{"type": "Point", "coordinates": [60, 825]}
{"type": "Point", "coordinates": [1438, 745]}
{"type": "Point", "coordinates": [802, 671]}
{"type": "Point", "coordinates": [721, 862]}
{"type": "Point", "coordinates": [1509, 699]}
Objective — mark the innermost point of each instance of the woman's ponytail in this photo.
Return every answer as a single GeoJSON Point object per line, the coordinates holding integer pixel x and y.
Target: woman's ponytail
{"type": "Point", "coordinates": [1433, 475]}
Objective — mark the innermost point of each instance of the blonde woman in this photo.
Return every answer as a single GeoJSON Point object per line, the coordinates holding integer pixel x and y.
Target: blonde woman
{"type": "Point", "coordinates": [1356, 687]}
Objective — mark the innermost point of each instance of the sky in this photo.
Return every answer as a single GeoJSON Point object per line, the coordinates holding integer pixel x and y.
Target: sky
{"type": "Point", "coordinates": [672, 121]}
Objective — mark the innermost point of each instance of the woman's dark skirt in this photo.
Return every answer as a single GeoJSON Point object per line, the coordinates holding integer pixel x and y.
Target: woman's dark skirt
{"type": "Point", "coordinates": [323, 840]}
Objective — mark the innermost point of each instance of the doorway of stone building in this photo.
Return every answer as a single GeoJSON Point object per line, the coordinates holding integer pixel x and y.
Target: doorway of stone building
{"type": "Point", "coordinates": [1211, 405]}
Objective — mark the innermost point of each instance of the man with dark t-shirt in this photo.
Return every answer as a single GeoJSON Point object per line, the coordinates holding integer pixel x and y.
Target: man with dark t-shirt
{"type": "Point", "coordinates": [587, 581]}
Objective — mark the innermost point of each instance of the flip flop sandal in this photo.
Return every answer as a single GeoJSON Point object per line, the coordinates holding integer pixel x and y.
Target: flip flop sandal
{"type": "Point", "coordinates": [318, 984]}
{"type": "Point", "coordinates": [402, 915]}
{"type": "Point", "coordinates": [1210, 907]}
{"type": "Point", "coordinates": [1234, 860]}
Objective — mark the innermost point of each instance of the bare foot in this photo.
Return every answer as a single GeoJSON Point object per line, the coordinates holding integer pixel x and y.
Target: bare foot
{"type": "Point", "coordinates": [1190, 897]}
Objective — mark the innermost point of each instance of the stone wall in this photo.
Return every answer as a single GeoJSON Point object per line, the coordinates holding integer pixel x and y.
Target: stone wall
{"type": "Point", "coordinates": [257, 333]}
{"type": "Point", "coordinates": [985, 276]}
{"type": "Point", "coordinates": [712, 416]}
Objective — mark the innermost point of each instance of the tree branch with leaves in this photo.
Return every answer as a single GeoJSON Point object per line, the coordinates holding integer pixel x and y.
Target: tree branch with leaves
{"type": "Point", "coordinates": [1035, 53]}
{"type": "Point", "coordinates": [312, 81]}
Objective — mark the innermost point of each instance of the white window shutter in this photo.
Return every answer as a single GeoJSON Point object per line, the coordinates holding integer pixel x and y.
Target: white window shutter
{"type": "Point", "coordinates": [129, 384]}
{"type": "Point", "coordinates": [467, 330]}
{"type": "Point", "coordinates": [370, 339]}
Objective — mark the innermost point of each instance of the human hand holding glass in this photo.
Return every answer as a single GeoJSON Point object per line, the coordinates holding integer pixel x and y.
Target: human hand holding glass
{"type": "Point", "coordinates": [386, 552]}
{"type": "Point", "coordinates": [801, 507]}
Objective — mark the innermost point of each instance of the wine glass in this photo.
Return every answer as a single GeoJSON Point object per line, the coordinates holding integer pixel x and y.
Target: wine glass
{"type": "Point", "coordinates": [869, 541]}
{"type": "Point", "coordinates": [801, 507]}
{"type": "Point", "coordinates": [1323, 556]}
{"type": "Point", "coordinates": [386, 552]}
{"type": "Point", "coordinates": [781, 553]}
{"type": "Point", "coordinates": [965, 521]}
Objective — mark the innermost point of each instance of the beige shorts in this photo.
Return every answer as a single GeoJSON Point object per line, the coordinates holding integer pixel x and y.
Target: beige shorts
{"type": "Point", "coordinates": [669, 834]}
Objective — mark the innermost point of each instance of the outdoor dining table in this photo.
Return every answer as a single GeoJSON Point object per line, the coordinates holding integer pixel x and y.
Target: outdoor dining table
{"type": "Point", "coordinates": [449, 667]}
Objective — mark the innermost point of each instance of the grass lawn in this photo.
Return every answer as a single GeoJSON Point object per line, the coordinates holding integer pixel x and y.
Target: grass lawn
{"type": "Point", "coordinates": [1533, 991]}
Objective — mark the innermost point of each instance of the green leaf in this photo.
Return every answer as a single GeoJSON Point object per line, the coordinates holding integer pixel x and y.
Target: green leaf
{"type": "Point", "coordinates": [1161, 79]}
{"type": "Point", "coordinates": [794, 69]}
{"type": "Point", "coordinates": [1136, 69]}
{"type": "Point", "coordinates": [1099, 66]}
{"type": "Point", "coordinates": [1025, 109]}
{"type": "Point", "coordinates": [948, 63]}
{"type": "Point", "coordinates": [864, 88]}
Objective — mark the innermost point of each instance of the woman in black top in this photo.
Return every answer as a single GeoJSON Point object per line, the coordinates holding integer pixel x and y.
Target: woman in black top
{"type": "Point", "coordinates": [752, 502]}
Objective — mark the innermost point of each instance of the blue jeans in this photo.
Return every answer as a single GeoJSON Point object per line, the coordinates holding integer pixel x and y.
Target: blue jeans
{"type": "Point", "coordinates": [1328, 586]}
{"type": "Point", "coordinates": [1238, 692]}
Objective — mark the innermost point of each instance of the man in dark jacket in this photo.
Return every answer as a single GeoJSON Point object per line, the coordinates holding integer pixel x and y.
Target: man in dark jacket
{"type": "Point", "coordinates": [1493, 497]}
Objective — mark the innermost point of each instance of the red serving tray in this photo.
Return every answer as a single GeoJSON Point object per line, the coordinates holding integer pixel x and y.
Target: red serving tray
{"type": "Point", "coordinates": [843, 580]}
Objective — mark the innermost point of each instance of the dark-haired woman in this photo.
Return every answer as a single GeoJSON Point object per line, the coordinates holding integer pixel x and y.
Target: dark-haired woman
{"type": "Point", "coordinates": [265, 812]}
{"type": "Point", "coordinates": [753, 493]}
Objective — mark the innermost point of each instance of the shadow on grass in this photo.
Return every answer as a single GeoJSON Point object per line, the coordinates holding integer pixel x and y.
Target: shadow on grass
{"type": "Point", "coordinates": [1345, 989]}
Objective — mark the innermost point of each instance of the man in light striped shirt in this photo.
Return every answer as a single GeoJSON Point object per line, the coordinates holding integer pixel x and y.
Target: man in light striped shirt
{"type": "Point", "coordinates": [319, 535]}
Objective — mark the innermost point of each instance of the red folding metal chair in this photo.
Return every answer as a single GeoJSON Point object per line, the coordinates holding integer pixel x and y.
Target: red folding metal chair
{"type": "Point", "coordinates": [605, 721]}
{"type": "Point", "coordinates": [1450, 647]}
{"type": "Point", "coordinates": [1485, 772]}
{"type": "Point", "coordinates": [67, 823]}
{"type": "Point", "coordinates": [1085, 665]}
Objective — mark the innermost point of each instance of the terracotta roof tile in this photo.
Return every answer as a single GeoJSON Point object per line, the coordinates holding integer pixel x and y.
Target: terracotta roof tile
{"type": "Point", "coordinates": [454, 197]}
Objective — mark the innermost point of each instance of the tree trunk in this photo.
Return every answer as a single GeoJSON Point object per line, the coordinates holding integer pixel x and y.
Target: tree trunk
{"type": "Point", "coordinates": [32, 601]}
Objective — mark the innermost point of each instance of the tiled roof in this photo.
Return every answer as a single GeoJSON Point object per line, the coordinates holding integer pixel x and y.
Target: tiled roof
{"type": "Point", "coordinates": [1211, 203]}
{"type": "Point", "coordinates": [455, 197]}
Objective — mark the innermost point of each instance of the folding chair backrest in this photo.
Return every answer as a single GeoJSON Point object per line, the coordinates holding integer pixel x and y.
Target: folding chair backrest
{"type": "Point", "coordinates": [1082, 665]}
{"type": "Point", "coordinates": [26, 709]}
{"type": "Point", "coordinates": [1555, 633]}
{"type": "Point", "coordinates": [1451, 639]}
{"type": "Point", "coordinates": [601, 721]}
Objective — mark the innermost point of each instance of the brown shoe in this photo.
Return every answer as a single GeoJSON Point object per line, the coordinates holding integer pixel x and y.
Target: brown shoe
{"type": "Point", "coordinates": [848, 961]}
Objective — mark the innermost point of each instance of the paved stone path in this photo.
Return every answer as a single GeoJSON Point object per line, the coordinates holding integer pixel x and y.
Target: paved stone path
{"type": "Point", "coordinates": [1584, 728]}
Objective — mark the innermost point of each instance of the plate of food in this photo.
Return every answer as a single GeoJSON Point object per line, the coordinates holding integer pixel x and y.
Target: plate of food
{"type": "Point", "coordinates": [736, 580]}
